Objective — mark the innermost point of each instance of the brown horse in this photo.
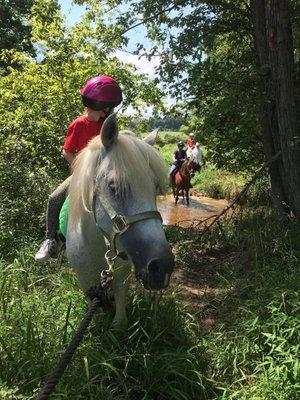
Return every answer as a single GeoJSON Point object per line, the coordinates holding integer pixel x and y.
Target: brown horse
{"type": "Point", "coordinates": [182, 181]}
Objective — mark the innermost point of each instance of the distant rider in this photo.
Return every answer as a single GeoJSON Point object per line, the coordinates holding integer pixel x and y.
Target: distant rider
{"type": "Point", "coordinates": [179, 157]}
{"type": "Point", "coordinates": [197, 157]}
{"type": "Point", "coordinates": [191, 141]}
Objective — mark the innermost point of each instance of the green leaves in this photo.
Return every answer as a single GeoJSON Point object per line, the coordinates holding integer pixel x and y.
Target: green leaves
{"type": "Point", "coordinates": [15, 31]}
{"type": "Point", "coordinates": [41, 98]}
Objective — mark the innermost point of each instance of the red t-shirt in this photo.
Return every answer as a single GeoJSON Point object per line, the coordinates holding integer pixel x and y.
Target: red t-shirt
{"type": "Point", "coordinates": [80, 132]}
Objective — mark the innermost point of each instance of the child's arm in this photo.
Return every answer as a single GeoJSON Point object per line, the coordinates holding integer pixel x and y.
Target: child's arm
{"type": "Point", "coordinates": [69, 156]}
{"type": "Point", "coordinates": [70, 145]}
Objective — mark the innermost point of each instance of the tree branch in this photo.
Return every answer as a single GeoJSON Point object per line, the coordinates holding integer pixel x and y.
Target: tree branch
{"type": "Point", "coordinates": [242, 192]}
{"type": "Point", "coordinates": [149, 18]}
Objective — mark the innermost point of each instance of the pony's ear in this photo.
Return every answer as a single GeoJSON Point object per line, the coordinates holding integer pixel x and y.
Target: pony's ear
{"type": "Point", "coordinates": [151, 138]}
{"type": "Point", "coordinates": [109, 131]}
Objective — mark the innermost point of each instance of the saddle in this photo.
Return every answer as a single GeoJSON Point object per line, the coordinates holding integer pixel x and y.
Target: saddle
{"type": "Point", "coordinates": [63, 219]}
{"type": "Point", "coordinates": [173, 173]}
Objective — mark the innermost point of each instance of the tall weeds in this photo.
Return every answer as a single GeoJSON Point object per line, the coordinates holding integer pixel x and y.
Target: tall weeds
{"type": "Point", "coordinates": [251, 352]}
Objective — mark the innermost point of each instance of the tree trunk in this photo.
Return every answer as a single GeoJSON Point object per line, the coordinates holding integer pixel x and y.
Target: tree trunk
{"type": "Point", "coordinates": [280, 46]}
{"type": "Point", "coordinates": [274, 59]}
{"type": "Point", "coordinates": [268, 117]}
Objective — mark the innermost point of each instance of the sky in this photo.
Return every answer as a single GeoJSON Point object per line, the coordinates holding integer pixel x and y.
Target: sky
{"type": "Point", "coordinates": [73, 14]}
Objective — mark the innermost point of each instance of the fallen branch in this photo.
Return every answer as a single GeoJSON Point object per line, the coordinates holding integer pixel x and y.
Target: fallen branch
{"type": "Point", "coordinates": [242, 192]}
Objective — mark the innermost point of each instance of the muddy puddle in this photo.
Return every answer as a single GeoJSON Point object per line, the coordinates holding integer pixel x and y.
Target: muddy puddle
{"type": "Point", "coordinates": [200, 208]}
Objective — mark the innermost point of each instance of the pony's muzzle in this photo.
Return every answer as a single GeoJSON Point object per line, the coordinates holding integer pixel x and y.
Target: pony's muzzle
{"type": "Point", "coordinates": [158, 273]}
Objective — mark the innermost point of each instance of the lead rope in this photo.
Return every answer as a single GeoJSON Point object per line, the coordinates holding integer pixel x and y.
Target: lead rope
{"type": "Point", "coordinates": [98, 298]}
{"type": "Point", "coordinates": [65, 359]}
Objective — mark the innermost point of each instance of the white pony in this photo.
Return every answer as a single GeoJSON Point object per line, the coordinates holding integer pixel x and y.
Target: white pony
{"type": "Point", "coordinates": [113, 196]}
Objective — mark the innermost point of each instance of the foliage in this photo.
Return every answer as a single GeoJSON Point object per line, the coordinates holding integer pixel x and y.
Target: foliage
{"type": "Point", "coordinates": [15, 31]}
{"type": "Point", "coordinates": [227, 103]}
{"type": "Point", "coordinates": [207, 59]}
{"type": "Point", "coordinates": [165, 123]}
{"type": "Point", "coordinates": [218, 184]}
{"type": "Point", "coordinates": [23, 196]}
{"type": "Point", "coordinates": [169, 123]}
{"type": "Point", "coordinates": [38, 101]}
{"type": "Point", "coordinates": [207, 62]}
{"type": "Point", "coordinates": [250, 268]}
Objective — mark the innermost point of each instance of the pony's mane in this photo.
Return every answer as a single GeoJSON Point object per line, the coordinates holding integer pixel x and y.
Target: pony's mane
{"type": "Point", "coordinates": [129, 162]}
{"type": "Point", "coordinates": [185, 167]}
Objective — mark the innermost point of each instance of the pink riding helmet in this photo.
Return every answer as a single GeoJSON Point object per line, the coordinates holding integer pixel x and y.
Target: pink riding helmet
{"type": "Point", "coordinates": [101, 92]}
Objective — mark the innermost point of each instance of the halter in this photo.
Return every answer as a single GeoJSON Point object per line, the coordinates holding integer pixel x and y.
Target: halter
{"type": "Point", "coordinates": [120, 225]}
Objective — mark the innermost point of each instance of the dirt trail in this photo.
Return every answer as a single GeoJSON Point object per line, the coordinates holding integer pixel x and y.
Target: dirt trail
{"type": "Point", "coordinates": [198, 282]}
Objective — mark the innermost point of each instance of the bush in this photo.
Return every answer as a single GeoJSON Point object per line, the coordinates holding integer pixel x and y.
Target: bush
{"type": "Point", "coordinates": [23, 198]}
{"type": "Point", "coordinates": [259, 194]}
{"type": "Point", "coordinates": [219, 184]}
{"type": "Point", "coordinates": [255, 353]}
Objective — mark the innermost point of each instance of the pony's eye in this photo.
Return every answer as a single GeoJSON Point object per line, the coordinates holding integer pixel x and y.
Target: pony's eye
{"type": "Point", "coordinates": [111, 187]}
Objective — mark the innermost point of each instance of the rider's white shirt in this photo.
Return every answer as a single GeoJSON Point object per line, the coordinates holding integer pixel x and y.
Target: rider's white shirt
{"type": "Point", "coordinates": [197, 155]}
{"type": "Point", "coordinates": [189, 153]}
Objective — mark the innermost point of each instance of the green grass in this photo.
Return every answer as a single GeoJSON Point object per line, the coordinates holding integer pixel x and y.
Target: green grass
{"type": "Point", "coordinates": [221, 184]}
{"type": "Point", "coordinates": [255, 346]}
{"type": "Point", "coordinates": [218, 184]}
{"type": "Point", "coordinates": [161, 356]}
{"type": "Point", "coordinates": [252, 352]}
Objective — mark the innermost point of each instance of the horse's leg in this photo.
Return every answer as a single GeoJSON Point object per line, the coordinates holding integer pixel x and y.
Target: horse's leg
{"type": "Point", "coordinates": [176, 196]}
{"type": "Point", "coordinates": [88, 275]}
{"type": "Point", "coordinates": [120, 284]}
{"type": "Point", "coordinates": [86, 255]}
{"type": "Point", "coordinates": [187, 197]}
{"type": "Point", "coordinates": [173, 188]}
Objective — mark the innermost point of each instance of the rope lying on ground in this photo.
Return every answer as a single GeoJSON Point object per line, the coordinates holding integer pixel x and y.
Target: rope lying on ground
{"type": "Point", "coordinates": [53, 379]}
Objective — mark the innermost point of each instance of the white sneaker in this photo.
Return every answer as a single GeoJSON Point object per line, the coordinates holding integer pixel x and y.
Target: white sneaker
{"type": "Point", "coordinates": [48, 248]}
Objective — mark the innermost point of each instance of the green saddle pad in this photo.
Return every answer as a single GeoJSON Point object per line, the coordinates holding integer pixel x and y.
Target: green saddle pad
{"type": "Point", "coordinates": [63, 218]}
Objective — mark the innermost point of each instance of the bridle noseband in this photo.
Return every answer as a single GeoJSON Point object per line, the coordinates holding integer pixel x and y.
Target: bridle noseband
{"type": "Point", "coordinates": [120, 224]}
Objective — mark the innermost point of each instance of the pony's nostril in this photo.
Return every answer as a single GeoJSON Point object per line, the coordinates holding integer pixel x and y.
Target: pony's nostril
{"type": "Point", "coordinates": [153, 266]}
{"type": "Point", "coordinates": [159, 272]}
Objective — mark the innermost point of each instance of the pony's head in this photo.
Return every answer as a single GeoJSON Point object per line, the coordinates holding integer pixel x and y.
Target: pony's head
{"type": "Point", "coordinates": [121, 172]}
